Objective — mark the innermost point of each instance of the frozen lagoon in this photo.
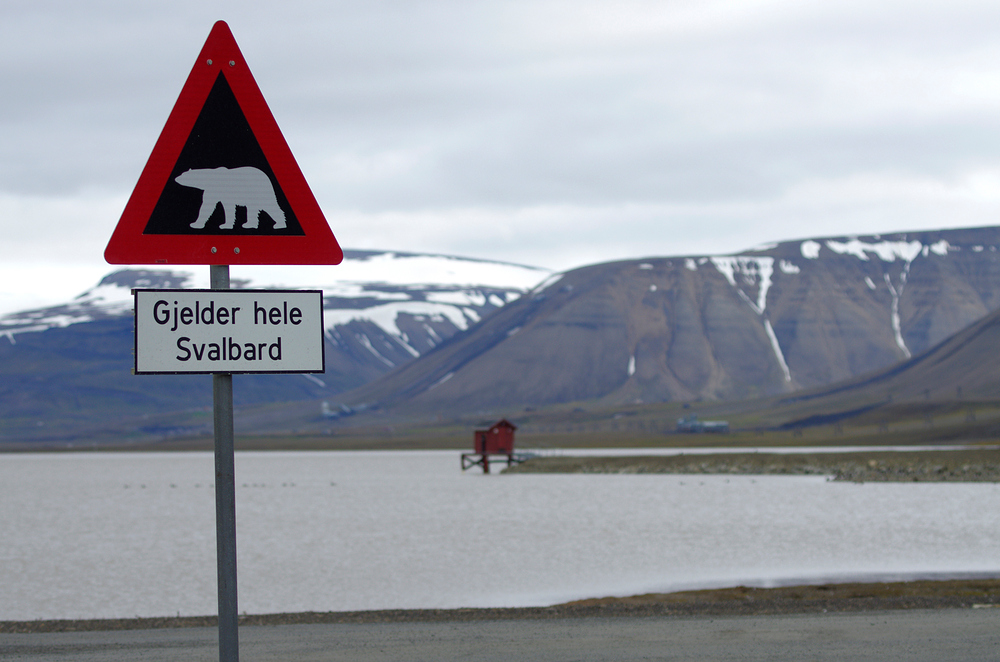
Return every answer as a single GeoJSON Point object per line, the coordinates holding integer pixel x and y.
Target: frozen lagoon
{"type": "Point", "coordinates": [114, 535]}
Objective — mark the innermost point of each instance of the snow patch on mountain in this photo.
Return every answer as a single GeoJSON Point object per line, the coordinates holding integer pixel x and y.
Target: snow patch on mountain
{"type": "Point", "coordinates": [752, 271]}
{"type": "Point", "coordinates": [367, 343]}
{"type": "Point", "coordinates": [940, 247]}
{"type": "Point", "coordinates": [368, 286]}
{"type": "Point", "coordinates": [897, 327]}
{"type": "Point", "coordinates": [887, 251]}
{"type": "Point", "coordinates": [755, 271]}
{"type": "Point", "coordinates": [789, 267]}
{"type": "Point", "coordinates": [547, 283]}
{"type": "Point", "coordinates": [810, 249]}
{"type": "Point", "coordinates": [777, 350]}
{"type": "Point", "coordinates": [441, 381]}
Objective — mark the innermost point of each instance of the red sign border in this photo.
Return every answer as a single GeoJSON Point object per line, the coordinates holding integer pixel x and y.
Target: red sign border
{"type": "Point", "coordinates": [128, 244]}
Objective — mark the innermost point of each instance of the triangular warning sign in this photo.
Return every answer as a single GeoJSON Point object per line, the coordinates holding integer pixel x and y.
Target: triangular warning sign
{"type": "Point", "coordinates": [221, 186]}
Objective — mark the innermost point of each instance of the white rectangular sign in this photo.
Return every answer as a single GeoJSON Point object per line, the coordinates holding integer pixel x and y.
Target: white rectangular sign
{"type": "Point", "coordinates": [228, 331]}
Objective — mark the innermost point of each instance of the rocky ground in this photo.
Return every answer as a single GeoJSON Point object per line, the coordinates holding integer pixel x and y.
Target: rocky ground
{"type": "Point", "coordinates": [738, 601]}
{"type": "Point", "coordinates": [979, 465]}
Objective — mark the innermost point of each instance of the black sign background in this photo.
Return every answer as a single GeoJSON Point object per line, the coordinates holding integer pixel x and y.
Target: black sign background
{"type": "Point", "coordinates": [221, 137]}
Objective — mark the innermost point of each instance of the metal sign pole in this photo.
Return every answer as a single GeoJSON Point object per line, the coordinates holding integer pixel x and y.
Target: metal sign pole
{"type": "Point", "coordinates": [244, 135]}
{"type": "Point", "coordinates": [225, 498]}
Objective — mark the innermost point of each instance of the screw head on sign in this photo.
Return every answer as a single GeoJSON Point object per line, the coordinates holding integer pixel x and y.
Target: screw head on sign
{"type": "Point", "coordinates": [237, 250]}
{"type": "Point", "coordinates": [214, 249]}
{"type": "Point", "coordinates": [209, 62]}
{"type": "Point", "coordinates": [232, 63]}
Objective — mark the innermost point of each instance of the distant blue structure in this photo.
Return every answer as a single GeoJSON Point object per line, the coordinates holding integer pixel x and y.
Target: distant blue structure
{"type": "Point", "coordinates": [691, 424]}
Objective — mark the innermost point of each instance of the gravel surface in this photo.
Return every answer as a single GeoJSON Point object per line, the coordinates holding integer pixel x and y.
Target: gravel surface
{"type": "Point", "coordinates": [977, 465]}
{"type": "Point", "coordinates": [738, 601]}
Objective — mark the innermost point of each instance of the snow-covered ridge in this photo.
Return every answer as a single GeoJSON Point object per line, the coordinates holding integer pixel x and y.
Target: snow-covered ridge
{"type": "Point", "coordinates": [369, 286]}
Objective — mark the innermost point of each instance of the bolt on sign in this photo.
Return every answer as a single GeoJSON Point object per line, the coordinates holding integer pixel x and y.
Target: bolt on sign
{"type": "Point", "coordinates": [221, 185]}
{"type": "Point", "coordinates": [234, 331]}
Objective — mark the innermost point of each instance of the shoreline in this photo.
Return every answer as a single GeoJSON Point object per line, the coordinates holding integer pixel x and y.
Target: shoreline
{"type": "Point", "coordinates": [736, 601]}
{"type": "Point", "coordinates": [964, 465]}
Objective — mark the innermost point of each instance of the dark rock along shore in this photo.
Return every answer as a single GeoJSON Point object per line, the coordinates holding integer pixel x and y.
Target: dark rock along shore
{"type": "Point", "coordinates": [975, 465]}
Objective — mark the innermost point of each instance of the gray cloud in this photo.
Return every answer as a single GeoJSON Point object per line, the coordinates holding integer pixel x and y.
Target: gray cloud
{"type": "Point", "coordinates": [549, 132]}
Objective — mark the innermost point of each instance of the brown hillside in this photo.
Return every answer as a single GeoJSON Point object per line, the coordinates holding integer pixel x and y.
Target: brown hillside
{"type": "Point", "coordinates": [799, 315]}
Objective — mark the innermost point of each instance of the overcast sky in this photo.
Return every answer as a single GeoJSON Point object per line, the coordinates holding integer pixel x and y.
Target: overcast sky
{"type": "Point", "coordinates": [553, 134]}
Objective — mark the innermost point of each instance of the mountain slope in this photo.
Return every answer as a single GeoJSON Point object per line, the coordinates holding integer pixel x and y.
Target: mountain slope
{"type": "Point", "coordinates": [771, 320]}
{"type": "Point", "coordinates": [958, 368]}
{"type": "Point", "coordinates": [68, 367]}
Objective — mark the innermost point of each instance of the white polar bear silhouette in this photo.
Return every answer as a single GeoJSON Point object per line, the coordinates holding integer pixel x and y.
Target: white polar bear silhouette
{"type": "Point", "coordinates": [233, 187]}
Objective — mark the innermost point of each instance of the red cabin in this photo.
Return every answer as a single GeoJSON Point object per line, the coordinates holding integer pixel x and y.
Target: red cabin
{"type": "Point", "coordinates": [498, 440]}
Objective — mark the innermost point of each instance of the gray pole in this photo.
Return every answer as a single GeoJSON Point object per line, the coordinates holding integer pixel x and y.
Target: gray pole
{"type": "Point", "coordinates": [225, 498]}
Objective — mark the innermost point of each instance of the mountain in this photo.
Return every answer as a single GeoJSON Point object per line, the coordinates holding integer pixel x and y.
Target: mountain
{"type": "Point", "coordinates": [65, 371]}
{"type": "Point", "coordinates": [419, 334]}
{"type": "Point", "coordinates": [771, 320]}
